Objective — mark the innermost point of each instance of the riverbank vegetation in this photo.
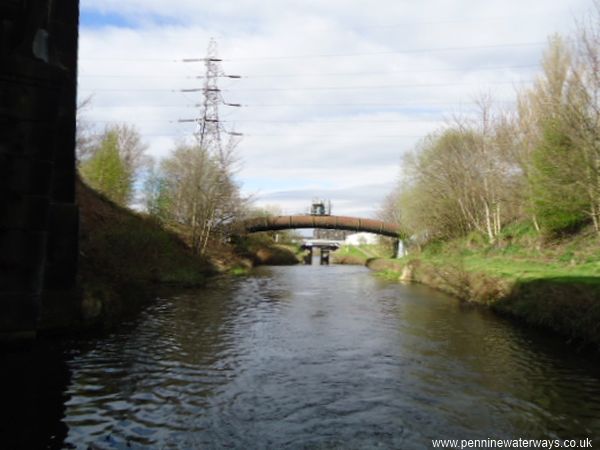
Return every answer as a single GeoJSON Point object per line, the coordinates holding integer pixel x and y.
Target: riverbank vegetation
{"type": "Point", "coordinates": [262, 249]}
{"type": "Point", "coordinates": [503, 207]}
{"type": "Point", "coordinates": [358, 255]}
{"type": "Point", "coordinates": [555, 284]}
{"type": "Point", "coordinates": [192, 191]}
{"type": "Point", "coordinates": [147, 224]}
{"type": "Point", "coordinates": [539, 163]}
{"type": "Point", "coordinates": [123, 253]}
{"type": "Point", "coordinates": [125, 256]}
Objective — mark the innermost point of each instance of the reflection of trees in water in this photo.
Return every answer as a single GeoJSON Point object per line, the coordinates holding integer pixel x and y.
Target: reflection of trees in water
{"type": "Point", "coordinates": [201, 365]}
{"type": "Point", "coordinates": [474, 347]}
{"type": "Point", "coordinates": [212, 331]}
{"type": "Point", "coordinates": [164, 368]}
{"type": "Point", "coordinates": [33, 384]}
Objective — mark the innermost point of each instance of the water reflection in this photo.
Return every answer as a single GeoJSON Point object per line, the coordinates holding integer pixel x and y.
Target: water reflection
{"type": "Point", "coordinates": [504, 378]}
{"type": "Point", "coordinates": [323, 357]}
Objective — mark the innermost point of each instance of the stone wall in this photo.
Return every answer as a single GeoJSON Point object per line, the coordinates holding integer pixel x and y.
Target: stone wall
{"type": "Point", "coordinates": [38, 215]}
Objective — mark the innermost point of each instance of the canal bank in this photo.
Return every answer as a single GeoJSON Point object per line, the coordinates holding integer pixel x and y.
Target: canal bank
{"type": "Point", "coordinates": [560, 298]}
{"type": "Point", "coordinates": [295, 357]}
{"type": "Point", "coordinates": [126, 257]}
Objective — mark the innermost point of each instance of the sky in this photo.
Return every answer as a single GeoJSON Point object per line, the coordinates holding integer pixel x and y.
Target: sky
{"type": "Point", "coordinates": [333, 92]}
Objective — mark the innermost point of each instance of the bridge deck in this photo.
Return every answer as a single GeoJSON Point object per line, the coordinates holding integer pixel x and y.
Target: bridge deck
{"type": "Point", "coordinates": [332, 222]}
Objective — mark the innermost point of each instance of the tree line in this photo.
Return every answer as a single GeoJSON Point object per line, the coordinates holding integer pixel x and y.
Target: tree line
{"type": "Point", "coordinates": [192, 190]}
{"type": "Point", "coordinates": [537, 162]}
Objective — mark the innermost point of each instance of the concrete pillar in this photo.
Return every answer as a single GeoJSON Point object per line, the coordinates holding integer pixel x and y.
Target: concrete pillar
{"type": "Point", "coordinates": [309, 256]}
{"type": "Point", "coordinates": [324, 256]}
{"type": "Point", "coordinates": [400, 248]}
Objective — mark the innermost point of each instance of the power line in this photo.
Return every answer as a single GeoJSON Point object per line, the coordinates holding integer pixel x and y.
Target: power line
{"type": "Point", "coordinates": [395, 105]}
{"type": "Point", "coordinates": [323, 74]}
{"type": "Point", "coordinates": [390, 136]}
{"type": "Point", "coordinates": [123, 59]}
{"type": "Point", "coordinates": [391, 86]}
{"type": "Point", "coordinates": [328, 121]}
{"type": "Point", "coordinates": [393, 52]}
{"type": "Point", "coordinates": [139, 76]}
{"type": "Point", "coordinates": [310, 88]}
{"type": "Point", "coordinates": [332, 55]}
{"type": "Point", "coordinates": [358, 134]}
{"type": "Point", "coordinates": [143, 106]}
{"type": "Point", "coordinates": [329, 74]}
{"type": "Point", "coordinates": [403, 104]}
{"type": "Point", "coordinates": [311, 121]}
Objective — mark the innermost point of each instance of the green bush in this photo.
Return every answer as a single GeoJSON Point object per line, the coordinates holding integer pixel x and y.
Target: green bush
{"type": "Point", "coordinates": [557, 200]}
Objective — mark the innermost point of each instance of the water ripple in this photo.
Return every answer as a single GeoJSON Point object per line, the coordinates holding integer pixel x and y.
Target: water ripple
{"type": "Point", "coordinates": [311, 357]}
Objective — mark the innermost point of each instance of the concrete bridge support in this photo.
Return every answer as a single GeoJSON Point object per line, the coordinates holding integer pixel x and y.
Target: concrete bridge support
{"type": "Point", "coordinates": [400, 248]}
{"type": "Point", "coordinates": [324, 257]}
{"type": "Point", "coordinates": [309, 256]}
{"type": "Point", "coordinates": [38, 215]}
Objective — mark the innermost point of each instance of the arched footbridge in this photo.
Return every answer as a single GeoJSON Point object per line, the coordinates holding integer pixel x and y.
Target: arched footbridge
{"type": "Point", "coordinates": [356, 224]}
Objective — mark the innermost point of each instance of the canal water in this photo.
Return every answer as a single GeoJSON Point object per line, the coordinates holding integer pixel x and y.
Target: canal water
{"type": "Point", "coordinates": [317, 357]}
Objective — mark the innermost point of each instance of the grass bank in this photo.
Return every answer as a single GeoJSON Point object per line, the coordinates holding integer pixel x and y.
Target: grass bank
{"type": "Point", "coordinates": [357, 255]}
{"type": "Point", "coordinates": [261, 250]}
{"type": "Point", "coordinates": [553, 284]}
{"type": "Point", "coordinates": [124, 256]}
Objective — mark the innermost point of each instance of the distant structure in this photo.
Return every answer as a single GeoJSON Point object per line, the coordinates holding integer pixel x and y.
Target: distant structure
{"type": "Point", "coordinates": [320, 207]}
{"type": "Point", "coordinates": [210, 128]}
{"type": "Point", "coordinates": [330, 234]}
{"type": "Point", "coordinates": [361, 238]}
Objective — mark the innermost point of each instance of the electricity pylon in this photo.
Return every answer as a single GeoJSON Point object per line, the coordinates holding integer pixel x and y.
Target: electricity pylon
{"type": "Point", "coordinates": [209, 127]}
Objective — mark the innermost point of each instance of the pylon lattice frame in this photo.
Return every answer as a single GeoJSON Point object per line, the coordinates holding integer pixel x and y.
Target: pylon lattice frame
{"type": "Point", "coordinates": [209, 125]}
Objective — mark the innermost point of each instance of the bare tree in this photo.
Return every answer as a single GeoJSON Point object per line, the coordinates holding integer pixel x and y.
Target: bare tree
{"type": "Point", "coordinates": [461, 179]}
{"type": "Point", "coordinates": [84, 135]}
{"type": "Point", "coordinates": [202, 194]}
{"type": "Point", "coordinates": [540, 161]}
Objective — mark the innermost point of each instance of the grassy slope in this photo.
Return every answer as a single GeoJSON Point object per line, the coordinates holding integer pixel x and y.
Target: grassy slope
{"type": "Point", "coordinates": [118, 243]}
{"type": "Point", "coordinates": [551, 283]}
{"type": "Point", "coordinates": [555, 284]}
{"type": "Point", "coordinates": [523, 256]}
{"type": "Point", "coordinates": [125, 255]}
{"type": "Point", "coordinates": [349, 254]}
{"type": "Point", "coordinates": [261, 250]}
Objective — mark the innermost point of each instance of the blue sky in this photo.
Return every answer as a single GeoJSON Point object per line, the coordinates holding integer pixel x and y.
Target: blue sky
{"type": "Point", "coordinates": [91, 17]}
{"type": "Point", "coordinates": [317, 119]}
{"type": "Point", "coordinates": [96, 19]}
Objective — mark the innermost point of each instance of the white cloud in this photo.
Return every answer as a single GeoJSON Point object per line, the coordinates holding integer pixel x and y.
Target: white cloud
{"type": "Point", "coordinates": [315, 125]}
